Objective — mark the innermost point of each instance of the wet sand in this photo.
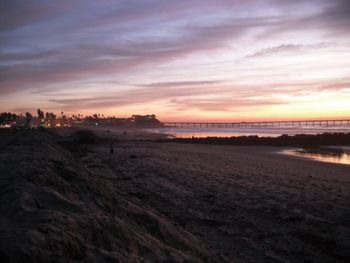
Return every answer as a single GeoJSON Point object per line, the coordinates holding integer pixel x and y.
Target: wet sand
{"type": "Point", "coordinates": [220, 203]}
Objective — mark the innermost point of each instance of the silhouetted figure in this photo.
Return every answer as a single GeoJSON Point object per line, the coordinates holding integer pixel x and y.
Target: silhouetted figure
{"type": "Point", "coordinates": [125, 133]}
{"type": "Point", "coordinates": [112, 148]}
{"type": "Point", "coordinates": [108, 132]}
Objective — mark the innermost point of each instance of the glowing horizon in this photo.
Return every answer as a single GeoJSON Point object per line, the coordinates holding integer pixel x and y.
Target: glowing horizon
{"type": "Point", "coordinates": [181, 60]}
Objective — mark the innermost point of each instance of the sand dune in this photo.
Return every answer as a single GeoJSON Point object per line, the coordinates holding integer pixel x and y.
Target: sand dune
{"type": "Point", "coordinates": [53, 209]}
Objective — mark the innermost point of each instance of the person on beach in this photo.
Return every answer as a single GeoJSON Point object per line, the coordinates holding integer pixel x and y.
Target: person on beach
{"type": "Point", "coordinates": [112, 148]}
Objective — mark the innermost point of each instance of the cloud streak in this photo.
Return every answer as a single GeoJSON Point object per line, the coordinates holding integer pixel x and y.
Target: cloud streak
{"type": "Point", "coordinates": [205, 97]}
{"type": "Point", "coordinates": [287, 49]}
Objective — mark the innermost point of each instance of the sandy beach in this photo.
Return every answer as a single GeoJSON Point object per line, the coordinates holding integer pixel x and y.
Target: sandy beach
{"type": "Point", "coordinates": [167, 202]}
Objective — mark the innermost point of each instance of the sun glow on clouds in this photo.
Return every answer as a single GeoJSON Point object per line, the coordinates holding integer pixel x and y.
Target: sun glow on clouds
{"type": "Point", "coordinates": [183, 60]}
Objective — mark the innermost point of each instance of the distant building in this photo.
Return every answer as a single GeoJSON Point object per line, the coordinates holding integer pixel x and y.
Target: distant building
{"type": "Point", "coordinates": [5, 126]}
{"type": "Point", "coordinates": [145, 121]}
{"type": "Point", "coordinates": [23, 123]}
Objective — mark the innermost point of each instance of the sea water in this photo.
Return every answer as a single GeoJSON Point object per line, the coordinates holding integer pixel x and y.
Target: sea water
{"type": "Point", "coordinates": [246, 131]}
{"type": "Point", "coordinates": [336, 154]}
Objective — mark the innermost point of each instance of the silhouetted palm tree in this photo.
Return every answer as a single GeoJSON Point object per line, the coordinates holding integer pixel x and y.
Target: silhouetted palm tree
{"type": "Point", "coordinates": [40, 114]}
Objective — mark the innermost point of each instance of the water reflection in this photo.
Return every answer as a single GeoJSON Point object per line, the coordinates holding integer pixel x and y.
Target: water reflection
{"type": "Point", "coordinates": [331, 155]}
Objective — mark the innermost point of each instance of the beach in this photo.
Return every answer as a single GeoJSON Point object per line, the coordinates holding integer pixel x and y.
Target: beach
{"type": "Point", "coordinates": [152, 201]}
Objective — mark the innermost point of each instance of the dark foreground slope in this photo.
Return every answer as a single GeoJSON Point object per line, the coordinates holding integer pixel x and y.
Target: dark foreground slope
{"type": "Point", "coordinates": [53, 209]}
{"type": "Point", "coordinates": [68, 199]}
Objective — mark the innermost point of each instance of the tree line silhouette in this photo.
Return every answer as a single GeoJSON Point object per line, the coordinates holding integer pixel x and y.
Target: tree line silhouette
{"type": "Point", "coordinates": [27, 118]}
{"type": "Point", "coordinates": [50, 120]}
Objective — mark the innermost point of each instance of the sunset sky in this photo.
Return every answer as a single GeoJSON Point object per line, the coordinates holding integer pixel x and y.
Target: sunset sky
{"type": "Point", "coordinates": [181, 60]}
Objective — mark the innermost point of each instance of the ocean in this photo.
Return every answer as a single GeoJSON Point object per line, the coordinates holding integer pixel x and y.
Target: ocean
{"type": "Point", "coordinates": [245, 131]}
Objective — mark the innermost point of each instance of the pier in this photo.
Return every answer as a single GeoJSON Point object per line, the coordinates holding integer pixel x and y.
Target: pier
{"type": "Point", "coordinates": [259, 124]}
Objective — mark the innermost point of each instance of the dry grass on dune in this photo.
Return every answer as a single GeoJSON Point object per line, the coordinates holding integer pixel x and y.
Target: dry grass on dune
{"type": "Point", "coordinates": [53, 209]}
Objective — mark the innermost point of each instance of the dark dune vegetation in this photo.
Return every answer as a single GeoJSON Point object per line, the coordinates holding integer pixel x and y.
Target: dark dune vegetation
{"type": "Point", "coordinates": [54, 209]}
{"type": "Point", "coordinates": [300, 140]}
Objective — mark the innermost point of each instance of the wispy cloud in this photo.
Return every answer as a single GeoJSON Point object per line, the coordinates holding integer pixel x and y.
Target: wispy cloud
{"type": "Point", "coordinates": [206, 97]}
{"type": "Point", "coordinates": [183, 83]}
{"type": "Point", "coordinates": [288, 49]}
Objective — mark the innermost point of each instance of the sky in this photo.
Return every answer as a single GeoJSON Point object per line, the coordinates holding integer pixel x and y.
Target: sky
{"type": "Point", "coordinates": [189, 60]}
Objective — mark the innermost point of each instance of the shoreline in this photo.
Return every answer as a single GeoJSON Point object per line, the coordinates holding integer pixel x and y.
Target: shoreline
{"type": "Point", "coordinates": [336, 155]}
